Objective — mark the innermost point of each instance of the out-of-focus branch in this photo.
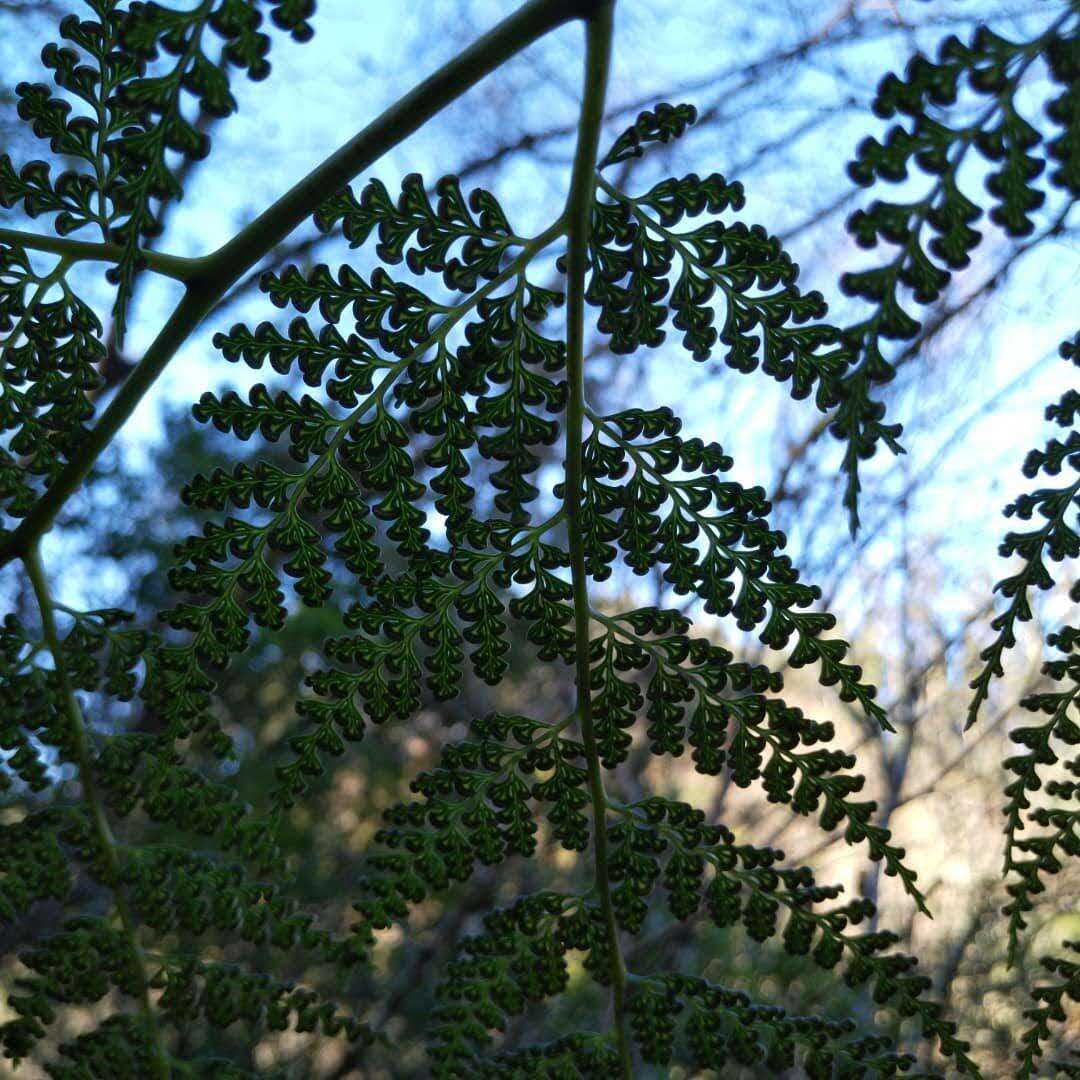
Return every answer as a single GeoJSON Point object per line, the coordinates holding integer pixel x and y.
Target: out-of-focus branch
{"type": "Point", "coordinates": [930, 787]}
{"type": "Point", "coordinates": [33, 7]}
{"type": "Point", "coordinates": [896, 755]}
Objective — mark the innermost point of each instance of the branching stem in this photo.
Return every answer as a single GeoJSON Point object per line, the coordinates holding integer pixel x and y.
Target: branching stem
{"type": "Point", "coordinates": [579, 217]}
{"type": "Point", "coordinates": [83, 759]}
{"type": "Point", "coordinates": [171, 266]}
{"type": "Point", "coordinates": [208, 279]}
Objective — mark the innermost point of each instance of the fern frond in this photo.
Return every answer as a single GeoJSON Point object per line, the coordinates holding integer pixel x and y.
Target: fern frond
{"type": "Point", "coordinates": [661, 124]}
{"type": "Point", "coordinates": [767, 319]}
{"type": "Point", "coordinates": [694, 672]}
{"type": "Point", "coordinates": [657, 496]}
{"type": "Point", "coordinates": [132, 66]}
{"type": "Point", "coordinates": [750, 885]}
{"type": "Point", "coordinates": [139, 771]}
{"type": "Point", "coordinates": [225, 994]}
{"type": "Point", "coordinates": [519, 958]}
{"type": "Point", "coordinates": [427, 236]}
{"type": "Point", "coordinates": [725, 1027]}
{"type": "Point", "coordinates": [50, 349]}
{"type": "Point", "coordinates": [429, 469]}
{"type": "Point", "coordinates": [935, 234]}
{"type": "Point", "coordinates": [35, 863]}
{"type": "Point", "coordinates": [121, 1046]}
{"type": "Point", "coordinates": [88, 959]}
{"type": "Point", "coordinates": [1054, 725]}
{"type": "Point", "coordinates": [1056, 540]}
{"type": "Point", "coordinates": [348, 454]}
{"type": "Point", "coordinates": [1028, 859]}
{"type": "Point", "coordinates": [476, 808]}
{"type": "Point", "coordinates": [1049, 1009]}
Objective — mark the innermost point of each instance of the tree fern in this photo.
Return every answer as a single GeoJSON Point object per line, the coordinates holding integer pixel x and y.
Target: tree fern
{"type": "Point", "coordinates": [447, 479]}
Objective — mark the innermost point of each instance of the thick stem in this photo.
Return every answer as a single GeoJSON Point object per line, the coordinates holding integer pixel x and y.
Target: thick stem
{"type": "Point", "coordinates": [83, 759]}
{"type": "Point", "coordinates": [172, 266]}
{"type": "Point", "coordinates": [579, 218]}
{"type": "Point", "coordinates": [215, 274]}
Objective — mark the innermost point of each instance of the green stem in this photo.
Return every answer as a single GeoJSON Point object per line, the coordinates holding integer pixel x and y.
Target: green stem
{"type": "Point", "coordinates": [579, 216]}
{"type": "Point", "coordinates": [82, 756]}
{"type": "Point", "coordinates": [172, 266]}
{"type": "Point", "coordinates": [211, 277]}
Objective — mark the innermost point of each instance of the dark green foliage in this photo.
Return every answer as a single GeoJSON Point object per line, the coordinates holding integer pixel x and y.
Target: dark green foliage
{"type": "Point", "coordinates": [1056, 539]}
{"type": "Point", "coordinates": [172, 887]}
{"type": "Point", "coordinates": [662, 124]}
{"type": "Point", "coordinates": [750, 885]}
{"type": "Point", "coordinates": [100, 653]}
{"type": "Point", "coordinates": [88, 959]}
{"type": "Point", "coordinates": [115, 120]}
{"type": "Point", "coordinates": [657, 498]}
{"type": "Point", "coordinates": [133, 65]}
{"type": "Point", "coordinates": [416, 492]}
{"type": "Point", "coordinates": [767, 320]}
{"type": "Point", "coordinates": [724, 1027]}
{"type": "Point", "coordinates": [35, 864]}
{"type": "Point", "coordinates": [753, 735]}
{"type": "Point", "coordinates": [425, 235]}
{"type": "Point", "coordinates": [1050, 997]}
{"type": "Point", "coordinates": [935, 235]}
{"type": "Point", "coordinates": [519, 958]}
{"type": "Point", "coordinates": [359, 480]}
{"type": "Point", "coordinates": [423, 398]}
{"type": "Point", "coordinates": [1042, 792]}
{"type": "Point", "coordinates": [477, 807]}
{"type": "Point", "coordinates": [49, 355]}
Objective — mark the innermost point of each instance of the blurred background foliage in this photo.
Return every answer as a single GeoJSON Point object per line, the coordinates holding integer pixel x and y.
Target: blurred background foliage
{"type": "Point", "coordinates": [783, 91]}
